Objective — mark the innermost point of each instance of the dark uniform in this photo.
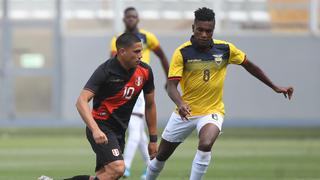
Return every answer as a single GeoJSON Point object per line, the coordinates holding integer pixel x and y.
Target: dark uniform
{"type": "Point", "coordinates": [116, 91]}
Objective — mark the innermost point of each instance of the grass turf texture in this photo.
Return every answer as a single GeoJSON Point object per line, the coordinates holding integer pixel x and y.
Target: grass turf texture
{"type": "Point", "coordinates": [239, 154]}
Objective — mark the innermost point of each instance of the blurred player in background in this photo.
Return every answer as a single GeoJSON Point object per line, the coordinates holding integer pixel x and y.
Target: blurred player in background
{"type": "Point", "coordinates": [115, 87]}
{"type": "Point", "coordinates": [137, 137]}
{"type": "Point", "coordinates": [200, 65]}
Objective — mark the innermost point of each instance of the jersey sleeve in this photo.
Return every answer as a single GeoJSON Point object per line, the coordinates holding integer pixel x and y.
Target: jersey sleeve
{"type": "Point", "coordinates": [176, 65]}
{"type": "Point", "coordinates": [113, 45]}
{"type": "Point", "coordinates": [152, 41]}
{"type": "Point", "coordinates": [236, 55]}
{"type": "Point", "coordinates": [149, 85]}
{"type": "Point", "coordinates": [96, 80]}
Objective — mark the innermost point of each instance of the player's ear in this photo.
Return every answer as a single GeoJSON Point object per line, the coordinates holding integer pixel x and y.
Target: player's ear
{"type": "Point", "coordinates": [192, 27]}
{"type": "Point", "coordinates": [121, 51]}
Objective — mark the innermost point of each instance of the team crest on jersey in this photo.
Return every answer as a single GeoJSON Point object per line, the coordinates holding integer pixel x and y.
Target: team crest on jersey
{"type": "Point", "coordinates": [218, 58]}
{"type": "Point", "coordinates": [115, 152]}
{"type": "Point", "coordinates": [139, 81]}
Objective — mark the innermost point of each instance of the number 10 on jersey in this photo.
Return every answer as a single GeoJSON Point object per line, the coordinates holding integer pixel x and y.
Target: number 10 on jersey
{"type": "Point", "coordinates": [128, 92]}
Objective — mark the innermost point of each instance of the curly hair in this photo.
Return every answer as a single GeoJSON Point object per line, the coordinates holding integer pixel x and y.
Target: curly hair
{"type": "Point", "coordinates": [204, 14]}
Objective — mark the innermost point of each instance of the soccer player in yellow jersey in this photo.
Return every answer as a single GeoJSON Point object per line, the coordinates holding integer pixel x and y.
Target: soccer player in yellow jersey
{"type": "Point", "coordinates": [199, 65]}
{"type": "Point", "coordinates": [137, 137]}
{"type": "Point", "coordinates": [148, 39]}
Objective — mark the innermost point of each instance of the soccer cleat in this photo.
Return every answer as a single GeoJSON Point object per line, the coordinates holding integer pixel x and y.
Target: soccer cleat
{"type": "Point", "coordinates": [126, 173]}
{"type": "Point", "coordinates": [44, 178]}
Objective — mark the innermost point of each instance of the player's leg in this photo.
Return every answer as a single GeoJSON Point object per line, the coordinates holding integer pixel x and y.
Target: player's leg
{"type": "Point", "coordinates": [143, 148]}
{"type": "Point", "coordinates": [175, 132]}
{"type": "Point", "coordinates": [165, 150]}
{"type": "Point", "coordinates": [143, 144]}
{"type": "Point", "coordinates": [134, 136]}
{"type": "Point", "coordinates": [80, 177]}
{"type": "Point", "coordinates": [209, 128]}
{"type": "Point", "coordinates": [112, 171]}
{"type": "Point", "coordinates": [109, 160]}
{"type": "Point", "coordinates": [83, 177]}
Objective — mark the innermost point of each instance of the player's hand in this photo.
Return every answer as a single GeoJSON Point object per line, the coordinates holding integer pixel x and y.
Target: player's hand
{"type": "Point", "coordinates": [153, 149]}
{"type": "Point", "coordinates": [286, 91]}
{"type": "Point", "coordinates": [184, 111]}
{"type": "Point", "coordinates": [99, 137]}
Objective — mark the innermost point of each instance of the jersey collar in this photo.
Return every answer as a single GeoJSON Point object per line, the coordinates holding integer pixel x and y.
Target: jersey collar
{"type": "Point", "coordinates": [117, 69]}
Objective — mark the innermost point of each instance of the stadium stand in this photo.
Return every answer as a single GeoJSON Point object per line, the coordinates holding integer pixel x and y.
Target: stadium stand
{"type": "Point", "coordinates": [175, 14]}
{"type": "Point", "coordinates": [289, 14]}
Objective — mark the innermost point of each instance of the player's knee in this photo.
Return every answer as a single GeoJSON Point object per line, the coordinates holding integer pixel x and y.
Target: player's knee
{"type": "Point", "coordinates": [205, 145]}
{"type": "Point", "coordinates": [118, 171]}
{"type": "Point", "coordinates": [115, 170]}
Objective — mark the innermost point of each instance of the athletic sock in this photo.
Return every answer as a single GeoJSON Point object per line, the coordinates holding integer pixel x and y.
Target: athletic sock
{"type": "Point", "coordinates": [200, 164]}
{"type": "Point", "coordinates": [154, 169]}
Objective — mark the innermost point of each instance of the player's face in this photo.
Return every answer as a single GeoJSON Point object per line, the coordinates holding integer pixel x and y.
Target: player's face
{"type": "Point", "coordinates": [133, 55]}
{"type": "Point", "coordinates": [202, 32]}
{"type": "Point", "coordinates": [131, 19]}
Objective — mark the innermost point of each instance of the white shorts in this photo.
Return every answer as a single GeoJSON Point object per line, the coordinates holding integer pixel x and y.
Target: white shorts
{"type": "Point", "coordinates": [139, 107]}
{"type": "Point", "coordinates": [177, 130]}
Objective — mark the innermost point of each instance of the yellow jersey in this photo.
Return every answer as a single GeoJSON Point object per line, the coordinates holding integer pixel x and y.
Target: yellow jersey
{"type": "Point", "coordinates": [149, 41]}
{"type": "Point", "coordinates": [202, 74]}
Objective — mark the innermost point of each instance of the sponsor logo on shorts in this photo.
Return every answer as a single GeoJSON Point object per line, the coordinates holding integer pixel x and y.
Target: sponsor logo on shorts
{"type": "Point", "coordinates": [115, 152]}
{"type": "Point", "coordinates": [215, 117]}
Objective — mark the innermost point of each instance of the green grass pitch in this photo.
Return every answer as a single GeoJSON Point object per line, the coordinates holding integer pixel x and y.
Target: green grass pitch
{"type": "Point", "coordinates": [239, 154]}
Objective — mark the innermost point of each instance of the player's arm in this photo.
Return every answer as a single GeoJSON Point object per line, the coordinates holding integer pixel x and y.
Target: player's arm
{"type": "Point", "coordinates": [172, 89]}
{"type": "Point", "coordinates": [85, 113]}
{"type": "Point", "coordinates": [174, 76]}
{"type": "Point", "coordinates": [259, 74]}
{"type": "Point", "coordinates": [96, 80]}
{"type": "Point", "coordinates": [84, 109]}
{"type": "Point", "coordinates": [164, 61]}
{"type": "Point", "coordinates": [151, 118]}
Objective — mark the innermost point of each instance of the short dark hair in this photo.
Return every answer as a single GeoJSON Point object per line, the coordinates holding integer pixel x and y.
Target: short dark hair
{"type": "Point", "coordinates": [131, 8]}
{"type": "Point", "coordinates": [126, 39]}
{"type": "Point", "coordinates": [204, 14]}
